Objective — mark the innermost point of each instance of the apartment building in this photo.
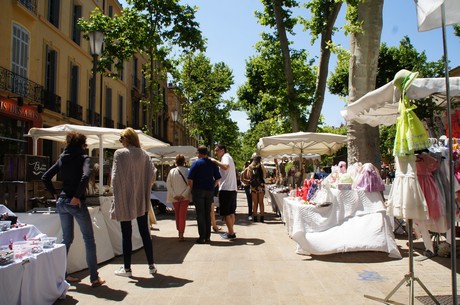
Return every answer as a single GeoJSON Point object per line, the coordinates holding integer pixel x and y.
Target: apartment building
{"type": "Point", "coordinates": [46, 76]}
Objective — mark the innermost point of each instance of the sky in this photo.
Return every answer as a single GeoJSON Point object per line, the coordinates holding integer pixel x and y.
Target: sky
{"type": "Point", "coordinates": [231, 30]}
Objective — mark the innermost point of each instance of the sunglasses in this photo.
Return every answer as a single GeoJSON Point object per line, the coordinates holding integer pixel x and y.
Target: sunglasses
{"type": "Point", "coordinates": [121, 139]}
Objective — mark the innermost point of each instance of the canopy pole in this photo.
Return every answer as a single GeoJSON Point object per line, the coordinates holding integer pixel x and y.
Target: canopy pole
{"type": "Point", "coordinates": [101, 167]}
{"type": "Point", "coordinates": [451, 200]}
{"type": "Point", "coordinates": [35, 145]}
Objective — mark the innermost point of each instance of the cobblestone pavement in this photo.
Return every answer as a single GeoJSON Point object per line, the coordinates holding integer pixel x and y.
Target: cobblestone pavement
{"type": "Point", "coordinates": [259, 267]}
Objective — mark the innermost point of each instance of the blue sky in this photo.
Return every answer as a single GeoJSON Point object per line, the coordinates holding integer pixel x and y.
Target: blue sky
{"type": "Point", "coordinates": [232, 31]}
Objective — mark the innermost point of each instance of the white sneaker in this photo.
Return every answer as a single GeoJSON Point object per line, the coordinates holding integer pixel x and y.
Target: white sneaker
{"type": "Point", "coordinates": [152, 270]}
{"type": "Point", "coordinates": [123, 272]}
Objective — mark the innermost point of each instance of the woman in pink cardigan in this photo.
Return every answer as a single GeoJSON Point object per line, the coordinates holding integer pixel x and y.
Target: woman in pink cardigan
{"type": "Point", "coordinates": [132, 178]}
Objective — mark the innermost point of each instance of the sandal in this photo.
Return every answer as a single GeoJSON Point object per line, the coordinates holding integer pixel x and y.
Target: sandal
{"type": "Point", "coordinates": [71, 279]}
{"type": "Point", "coordinates": [97, 282]}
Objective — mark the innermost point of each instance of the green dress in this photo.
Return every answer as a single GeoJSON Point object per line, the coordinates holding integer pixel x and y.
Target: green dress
{"type": "Point", "coordinates": [411, 135]}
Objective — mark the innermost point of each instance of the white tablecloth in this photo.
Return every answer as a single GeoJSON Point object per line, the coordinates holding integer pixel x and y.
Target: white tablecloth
{"type": "Point", "coordinates": [18, 234]}
{"type": "Point", "coordinates": [277, 202]}
{"type": "Point", "coordinates": [355, 221]}
{"type": "Point", "coordinates": [114, 228]}
{"type": "Point", "coordinates": [37, 280]}
{"type": "Point", "coordinates": [107, 234]}
{"type": "Point", "coordinates": [161, 197]}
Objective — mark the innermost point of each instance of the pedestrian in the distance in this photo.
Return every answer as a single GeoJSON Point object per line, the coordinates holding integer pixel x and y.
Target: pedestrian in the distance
{"type": "Point", "coordinates": [179, 193]}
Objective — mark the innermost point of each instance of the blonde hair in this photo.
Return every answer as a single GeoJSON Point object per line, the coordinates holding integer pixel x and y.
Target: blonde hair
{"type": "Point", "coordinates": [131, 136]}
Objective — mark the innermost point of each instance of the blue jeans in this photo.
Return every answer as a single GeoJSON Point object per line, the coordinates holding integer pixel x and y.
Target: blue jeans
{"type": "Point", "coordinates": [247, 190]}
{"type": "Point", "coordinates": [126, 242]}
{"type": "Point", "coordinates": [202, 200]}
{"type": "Point", "coordinates": [67, 213]}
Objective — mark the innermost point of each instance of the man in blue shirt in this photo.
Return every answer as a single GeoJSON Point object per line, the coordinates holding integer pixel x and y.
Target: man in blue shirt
{"type": "Point", "coordinates": [203, 177]}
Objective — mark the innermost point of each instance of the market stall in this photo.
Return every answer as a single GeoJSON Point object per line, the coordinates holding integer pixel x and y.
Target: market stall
{"type": "Point", "coordinates": [31, 273]}
{"type": "Point", "coordinates": [380, 107]}
{"type": "Point", "coordinates": [353, 220]}
{"type": "Point", "coordinates": [96, 138]}
{"type": "Point", "coordinates": [309, 145]}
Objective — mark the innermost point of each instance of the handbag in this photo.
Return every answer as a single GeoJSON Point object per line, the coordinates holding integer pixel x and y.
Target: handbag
{"type": "Point", "coordinates": [182, 175]}
{"type": "Point", "coordinates": [183, 178]}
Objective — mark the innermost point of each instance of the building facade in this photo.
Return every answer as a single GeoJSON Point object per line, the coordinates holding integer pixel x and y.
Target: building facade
{"type": "Point", "coordinates": [46, 72]}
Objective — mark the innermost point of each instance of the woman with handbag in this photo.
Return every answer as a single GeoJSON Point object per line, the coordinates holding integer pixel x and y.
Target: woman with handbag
{"type": "Point", "coordinates": [179, 193]}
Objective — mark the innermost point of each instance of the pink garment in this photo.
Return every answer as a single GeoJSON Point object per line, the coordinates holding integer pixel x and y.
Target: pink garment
{"type": "Point", "coordinates": [426, 165]}
{"type": "Point", "coordinates": [180, 211]}
{"type": "Point", "coordinates": [369, 179]}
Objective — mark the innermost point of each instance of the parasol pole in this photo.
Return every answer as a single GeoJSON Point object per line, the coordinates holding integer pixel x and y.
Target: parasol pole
{"type": "Point", "coordinates": [451, 201]}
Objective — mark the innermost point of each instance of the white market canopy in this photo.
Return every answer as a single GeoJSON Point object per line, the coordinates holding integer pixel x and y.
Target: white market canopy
{"type": "Point", "coordinates": [96, 137]}
{"type": "Point", "coordinates": [169, 153]}
{"type": "Point", "coordinates": [380, 107]}
{"type": "Point", "coordinates": [271, 158]}
{"type": "Point", "coordinates": [301, 143]}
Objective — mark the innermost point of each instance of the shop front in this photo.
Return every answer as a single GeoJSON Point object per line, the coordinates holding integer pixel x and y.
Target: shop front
{"type": "Point", "coordinates": [15, 122]}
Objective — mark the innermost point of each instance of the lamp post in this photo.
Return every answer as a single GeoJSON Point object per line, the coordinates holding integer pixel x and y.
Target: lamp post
{"type": "Point", "coordinates": [174, 115]}
{"type": "Point", "coordinates": [96, 39]}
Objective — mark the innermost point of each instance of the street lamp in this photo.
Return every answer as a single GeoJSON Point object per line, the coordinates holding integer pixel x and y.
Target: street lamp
{"type": "Point", "coordinates": [174, 115]}
{"type": "Point", "coordinates": [96, 39]}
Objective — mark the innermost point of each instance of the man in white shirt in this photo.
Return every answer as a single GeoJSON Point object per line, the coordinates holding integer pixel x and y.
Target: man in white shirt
{"type": "Point", "coordinates": [227, 189]}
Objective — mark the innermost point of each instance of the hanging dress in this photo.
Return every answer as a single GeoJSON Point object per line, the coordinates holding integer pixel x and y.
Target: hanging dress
{"type": "Point", "coordinates": [410, 132]}
{"type": "Point", "coordinates": [406, 199]}
{"type": "Point", "coordinates": [426, 165]}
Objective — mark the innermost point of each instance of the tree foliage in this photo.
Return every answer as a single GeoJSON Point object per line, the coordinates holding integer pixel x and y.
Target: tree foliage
{"type": "Point", "coordinates": [206, 112]}
{"type": "Point", "coordinates": [262, 97]}
{"type": "Point", "coordinates": [151, 28]}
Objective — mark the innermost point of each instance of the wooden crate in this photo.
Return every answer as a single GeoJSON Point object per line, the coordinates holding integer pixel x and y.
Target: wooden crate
{"type": "Point", "coordinates": [24, 167]}
{"type": "Point", "coordinates": [16, 195]}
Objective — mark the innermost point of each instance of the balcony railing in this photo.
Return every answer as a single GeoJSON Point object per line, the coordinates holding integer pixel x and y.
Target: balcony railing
{"type": "Point", "coordinates": [52, 101]}
{"type": "Point", "coordinates": [108, 122]}
{"type": "Point", "coordinates": [74, 111]}
{"type": "Point", "coordinates": [19, 85]}
{"type": "Point", "coordinates": [33, 92]}
{"type": "Point", "coordinates": [31, 5]}
{"type": "Point", "coordinates": [97, 118]}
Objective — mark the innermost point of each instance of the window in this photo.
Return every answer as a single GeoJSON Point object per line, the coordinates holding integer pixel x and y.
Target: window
{"type": "Point", "coordinates": [76, 32]}
{"type": "Point", "coordinates": [120, 109]}
{"type": "Point", "coordinates": [74, 73]}
{"type": "Point", "coordinates": [121, 73]}
{"type": "Point", "coordinates": [51, 70]}
{"type": "Point", "coordinates": [20, 59]}
{"type": "Point", "coordinates": [108, 103]}
{"type": "Point", "coordinates": [134, 74]}
{"type": "Point", "coordinates": [53, 12]}
{"type": "Point", "coordinates": [110, 11]}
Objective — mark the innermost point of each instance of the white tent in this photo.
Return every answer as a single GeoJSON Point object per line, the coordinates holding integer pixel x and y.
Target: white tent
{"type": "Point", "coordinates": [168, 154]}
{"type": "Point", "coordinates": [301, 143]}
{"type": "Point", "coordinates": [96, 137]}
{"type": "Point", "coordinates": [380, 107]}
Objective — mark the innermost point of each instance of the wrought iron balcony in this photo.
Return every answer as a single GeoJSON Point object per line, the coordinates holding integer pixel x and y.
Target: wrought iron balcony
{"type": "Point", "coordinates": [108, 122]}
{"type": "Point", "coordinates": [51, 101]}
{"type": "Point", "coordinates": [19, 85]}
{"type": "Point", "coordinates": [31, 5]}
{"type": "Point", "coordinates": [74, 111]}
{"type": "Point", "coordinates": [89, 120]}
